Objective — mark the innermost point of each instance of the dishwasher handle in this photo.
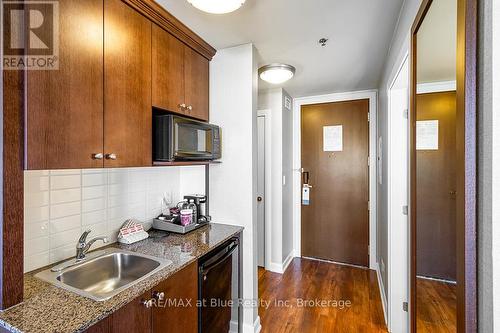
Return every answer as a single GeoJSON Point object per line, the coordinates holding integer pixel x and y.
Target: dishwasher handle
{"type": "Point", "coordinates": [207, 269]}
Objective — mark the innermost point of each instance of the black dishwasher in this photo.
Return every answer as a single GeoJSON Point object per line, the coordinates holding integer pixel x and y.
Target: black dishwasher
{"type": "Point", "coordinates": [218, 276]}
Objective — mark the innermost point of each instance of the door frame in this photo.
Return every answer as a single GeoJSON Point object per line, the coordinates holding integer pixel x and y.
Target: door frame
{"type": "Point", "coordinates": [396, 241]}
{"type": "Point", "coordinates": [267, 114]}
{"type": "Point", "coordinates": [371, 95]}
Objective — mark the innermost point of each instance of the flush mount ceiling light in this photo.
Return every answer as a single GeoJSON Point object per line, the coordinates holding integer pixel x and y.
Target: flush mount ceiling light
{"type": "Point", "coordinates": [217, 6]}
{"type": "Point", "coordinates": [276, 73]}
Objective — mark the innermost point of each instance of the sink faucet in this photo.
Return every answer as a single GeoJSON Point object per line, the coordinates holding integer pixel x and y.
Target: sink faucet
{"type": "Point", "coordinates": [82, 247]}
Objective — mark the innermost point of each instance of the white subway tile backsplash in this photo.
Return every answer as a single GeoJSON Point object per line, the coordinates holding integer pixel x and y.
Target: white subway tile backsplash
{"type": "Point", "coordinates": [36, 261]}
{"type": "Point", "coordinates": [65, 172]}
{"type": "Point", "coordinates": [94, 179]}
{"type": "Point", "coordinates": [36, 245]}
{"type": "Point", "coordinates": [61, 204]}
{"type": "Point", "coordinates": [63, 182]}
{"type": "Point", "coordinates": [35, 230]}
{"type": "Point", "coordinates": [62, 253]}
{"type": "Point", "coordinates": [65, 223]}
{"type": "Point", "coordinates": [68, 237]}
{"type": "Point", "coordinates": [99, 229]}
{"type": "Point", "coordinates": [66, 209]}
{"type": "Point", "coordinates": [36, 214]}
{"type": "Point", "coordinates": [62, 196]}
{"type": "Point", "coordinates": [33, 183]}
{"type": "Point", "coordinates": [93, 204]}
{"type": "Point", "coordinates": [36, 199]}
{"type": "Point", "coordinates": [93, 217]}
{"type": "Point", "coordinates": [93, 192]}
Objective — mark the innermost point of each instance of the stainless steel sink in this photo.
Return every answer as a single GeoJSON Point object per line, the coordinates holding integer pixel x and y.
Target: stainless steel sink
{"type": "Point", "coordinates": [104, 276]}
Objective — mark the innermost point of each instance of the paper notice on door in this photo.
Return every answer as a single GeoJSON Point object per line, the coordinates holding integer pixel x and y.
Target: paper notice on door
{"type": "Point", "coordinates": [332, 138]}
{"type": "Point", "coordinates": [427, 135]}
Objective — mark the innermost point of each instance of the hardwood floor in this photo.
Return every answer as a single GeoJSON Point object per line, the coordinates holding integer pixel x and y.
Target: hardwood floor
{"type": "Point", "coordinates": [436, 306]}
{"type": "Point", "coordinates": [308, 279]}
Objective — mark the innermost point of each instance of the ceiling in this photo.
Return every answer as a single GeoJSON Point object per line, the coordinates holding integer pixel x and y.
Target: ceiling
{"type": "Point", "coordinates": [287, 31]}
{"type": "Point", "coordinates": [437, 43]}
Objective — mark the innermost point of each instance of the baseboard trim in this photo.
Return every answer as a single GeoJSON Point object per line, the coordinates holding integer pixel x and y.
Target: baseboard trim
{"type": "Point", "coordinates": [233, 326]}
{"type": "Point", "coordinates": [252, 328]}
{"type": "Point", "coordinates": [281, 267]}
{"type": "Point", "coordinates": [288, 260]}
{"type": "Point", "coordinates": [382, 294]}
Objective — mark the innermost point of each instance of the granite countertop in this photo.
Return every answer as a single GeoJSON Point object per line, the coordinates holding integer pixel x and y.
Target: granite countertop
{"type": "Point", "coordinates": [47, 308]}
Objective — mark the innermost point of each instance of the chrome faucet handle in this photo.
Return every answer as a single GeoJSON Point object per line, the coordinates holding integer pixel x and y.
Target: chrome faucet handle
{"type": "Point", "coordinates": [83, 237]}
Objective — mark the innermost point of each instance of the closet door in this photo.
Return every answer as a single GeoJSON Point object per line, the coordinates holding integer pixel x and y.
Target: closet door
{"type": "Point", "coordinates": [127, 87]}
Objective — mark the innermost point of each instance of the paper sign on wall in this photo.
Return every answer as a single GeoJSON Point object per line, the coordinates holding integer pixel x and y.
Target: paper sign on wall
{"type": "Point", "coordinates": [427, 135]}
{"type": "Point", "coordinates": [332, 138]}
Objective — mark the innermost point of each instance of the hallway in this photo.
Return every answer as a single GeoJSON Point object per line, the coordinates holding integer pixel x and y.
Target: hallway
{"type": "Point", "coordinates": [351, 296]}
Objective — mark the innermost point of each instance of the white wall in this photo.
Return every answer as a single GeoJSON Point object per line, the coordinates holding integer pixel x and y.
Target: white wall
{"type": "Point", "coordinates": [60, 204]}
{"type": "Point", "coordinates": [489, 167]}
{"type": "Point", "coordinates": [233, 185]}
{"type": "Point", "coordinates": [281, 176]}
{"type": "Point", "coordinates": [272, 100]}
{"type": "Point", "coordinates": [395, 56]}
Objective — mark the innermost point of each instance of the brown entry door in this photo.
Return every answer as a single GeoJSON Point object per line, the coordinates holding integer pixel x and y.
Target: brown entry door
{"type": "Point", "coordinates": [335, 224]}
{"type": "Point", "coordinates": [436, 185]}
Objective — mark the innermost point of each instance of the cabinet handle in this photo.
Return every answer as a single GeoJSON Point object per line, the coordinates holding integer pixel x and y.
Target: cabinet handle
{"type": "Point", "coordinates": [190, 108]}
{"type": "Point", "coordinates": [147, 303]}
{"type": "Point", "coordinates": [111, 156]}
{"type": "Point", "coordinates": [159, 295]}
{"type": "Point", "coordinates": [182, 106]}
{"type": "Point", "coordinates": [97, 156]}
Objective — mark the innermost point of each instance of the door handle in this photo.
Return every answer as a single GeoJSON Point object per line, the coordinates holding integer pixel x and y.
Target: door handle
{"type": "Point", "coordinates": [305, 177]}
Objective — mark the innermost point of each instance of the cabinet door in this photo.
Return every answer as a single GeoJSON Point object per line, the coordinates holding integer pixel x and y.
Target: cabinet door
{"type": "Point", "coordinates": [127, 86]}
{"type": "Point", "coordinates": [134, 317]}
{"type": "Point", "coordinates": [168, 71]}
{"type": "Point", "coordinates": [64, 118]}
{"type": "Point", "coordinates": [196, 70]}
{"type": "Point", "coordinates": [181, 286]}
{"type": "Point", "coordinates": [100, 327]}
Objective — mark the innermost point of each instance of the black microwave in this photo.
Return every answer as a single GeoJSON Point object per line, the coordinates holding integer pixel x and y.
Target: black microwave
{"type": "Point", "coordinates": [177, 138]}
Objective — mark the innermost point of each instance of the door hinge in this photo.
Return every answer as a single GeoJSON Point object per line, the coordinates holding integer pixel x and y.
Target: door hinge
{"type": "Point", "coordinates": [368, 204]}
{"type": "Point", "coordinates": [368, 160]}
{"type": "Point", "coordinates": [405, 306]}
{"type": "Point", "coordinates": [368, 249]}
{"type": "Point", "coordinates": [368, 116]}
{"type": "Point", "coordinates": [405, 210]}
{"type": "Point", "coordinates": [405, 113]}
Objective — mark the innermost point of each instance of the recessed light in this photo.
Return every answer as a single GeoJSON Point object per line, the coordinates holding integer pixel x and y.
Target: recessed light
{"type": "Point", "coordinates": [217, 6]}
{"type": "Point", "coordinates": [276, 73]}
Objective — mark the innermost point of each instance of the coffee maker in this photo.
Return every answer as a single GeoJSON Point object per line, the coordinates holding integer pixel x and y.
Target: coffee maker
{"type": "Point", "coordinates": [200, 201]}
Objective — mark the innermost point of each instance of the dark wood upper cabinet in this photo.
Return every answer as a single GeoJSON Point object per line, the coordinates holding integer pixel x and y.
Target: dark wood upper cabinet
{"type": "Point", "coordinates": [64, 116]}
{"type": "Point", "coordinates": [127, 86]}
{"type": "Point", "coordinates": [168, 70]}
{"type": "Point", "coordinates": [116, 62]}
{"type": "Point", "coordinates": [134, 317]}
{"type": "Point", "coordinates": [180, 76]}
{"type": "Point", "coordinates": [196, 80]}
{"type": "Point", "coordinates": [182, 286]}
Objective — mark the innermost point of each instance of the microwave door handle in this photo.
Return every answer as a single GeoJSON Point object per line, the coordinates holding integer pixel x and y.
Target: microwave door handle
{"type": "Point", "coordinates": [207, 269]}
